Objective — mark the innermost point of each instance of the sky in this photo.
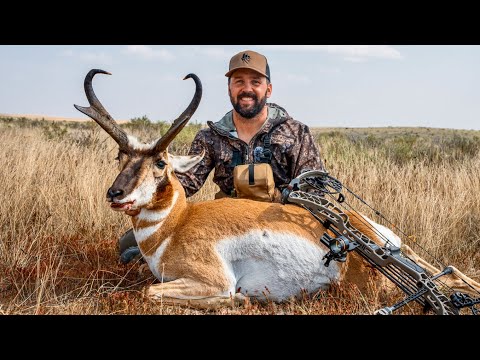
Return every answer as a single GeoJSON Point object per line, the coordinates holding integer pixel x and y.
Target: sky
{"type": "Point", "coordinates": [319, 85]}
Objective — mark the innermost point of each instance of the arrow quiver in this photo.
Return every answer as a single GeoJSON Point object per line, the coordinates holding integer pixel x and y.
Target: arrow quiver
{"type": "Point", "coordinates": [310, 190]}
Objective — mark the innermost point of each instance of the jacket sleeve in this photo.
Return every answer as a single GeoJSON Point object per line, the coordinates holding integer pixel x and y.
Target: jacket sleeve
{"type": "Point", "coordinates": [305, 153]}
{"type": "Point", "coordinates": [193, 179]}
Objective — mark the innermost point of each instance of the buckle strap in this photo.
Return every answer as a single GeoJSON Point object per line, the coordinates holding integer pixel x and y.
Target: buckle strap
{"type": "Point", "coordinates": [251, 174]}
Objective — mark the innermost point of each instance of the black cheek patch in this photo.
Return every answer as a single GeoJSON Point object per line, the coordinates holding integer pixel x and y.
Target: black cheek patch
{"type": "Point", "coordinates": [130, 176]}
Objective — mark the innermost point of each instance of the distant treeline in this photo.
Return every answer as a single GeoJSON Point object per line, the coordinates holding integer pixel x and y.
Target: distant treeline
{"type": "Point", "coordinates": [84, 132]}
{"type": "Point", "coordinates": [402, 145]}
{"type": "Point", "coordinates": [428, 145]}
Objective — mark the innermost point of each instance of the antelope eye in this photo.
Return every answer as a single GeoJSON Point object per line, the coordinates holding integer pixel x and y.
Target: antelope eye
{"type": "Point", "coordinates": [160, 164]}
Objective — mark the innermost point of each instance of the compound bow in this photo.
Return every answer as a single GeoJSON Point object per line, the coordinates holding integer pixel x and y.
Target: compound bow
{"type": "Point", "coordinates": [404, 272]}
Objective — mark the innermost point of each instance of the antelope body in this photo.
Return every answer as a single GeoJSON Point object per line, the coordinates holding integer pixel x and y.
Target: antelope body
{"type": "Point", "coordinates": [208, 253]}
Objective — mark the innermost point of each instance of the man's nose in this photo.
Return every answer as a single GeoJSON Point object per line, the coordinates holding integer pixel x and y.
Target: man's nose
{"type": "Point", "coordinates": [247, 87]}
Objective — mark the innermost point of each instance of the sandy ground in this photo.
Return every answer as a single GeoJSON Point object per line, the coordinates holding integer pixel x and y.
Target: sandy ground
{"type": "Point", "coordinates": [51, 118]}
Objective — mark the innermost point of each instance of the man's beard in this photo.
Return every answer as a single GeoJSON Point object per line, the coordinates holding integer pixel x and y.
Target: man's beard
{"type": "Point", "coordinates": [248, 112]}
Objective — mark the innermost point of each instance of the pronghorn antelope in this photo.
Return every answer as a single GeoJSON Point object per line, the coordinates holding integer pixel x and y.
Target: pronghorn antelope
{"type": "Point", "coordinates": [214, 252]}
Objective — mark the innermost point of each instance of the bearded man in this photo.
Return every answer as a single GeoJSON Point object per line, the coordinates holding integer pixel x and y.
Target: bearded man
{"type": "Point", "coordinates": [253, 131]}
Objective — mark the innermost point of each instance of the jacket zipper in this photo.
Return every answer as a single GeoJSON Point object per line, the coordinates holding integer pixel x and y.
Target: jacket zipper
{"type": "Point", "coordinates": [247, 146]}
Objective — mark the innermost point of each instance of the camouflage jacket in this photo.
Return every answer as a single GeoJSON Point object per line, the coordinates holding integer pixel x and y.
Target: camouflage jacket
{"type": "Point", "coordinates": [292, 146]}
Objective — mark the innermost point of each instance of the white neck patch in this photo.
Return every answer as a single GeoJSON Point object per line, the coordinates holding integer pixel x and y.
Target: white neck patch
{"type": "Point", "coordinates": [154, 216]}
{"type": "Point", "coordinates": [157, 215]}
{"type": "Point", "coordinates": [144, 233]}
{"type": "Point", "coordinates": [154, 261]}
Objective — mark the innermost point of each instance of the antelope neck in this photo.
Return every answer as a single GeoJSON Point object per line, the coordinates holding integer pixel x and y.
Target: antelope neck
{"type": "Point", "coordinates": [152, 226]}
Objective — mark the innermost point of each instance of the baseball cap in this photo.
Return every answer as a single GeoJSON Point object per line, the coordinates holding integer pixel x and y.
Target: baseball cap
{"type": "Point", "coordinates": [249, 59]}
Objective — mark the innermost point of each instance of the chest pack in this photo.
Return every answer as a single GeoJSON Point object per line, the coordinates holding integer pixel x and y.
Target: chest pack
{"type": "Point", "coordinates": [255, 181]}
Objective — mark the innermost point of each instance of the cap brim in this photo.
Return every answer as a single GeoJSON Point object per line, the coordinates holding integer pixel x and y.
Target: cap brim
{"type": "Point", "coordinates": [228, 74]}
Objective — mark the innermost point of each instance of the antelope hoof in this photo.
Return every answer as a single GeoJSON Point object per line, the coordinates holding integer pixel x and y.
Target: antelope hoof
{"type": "Point", "coordinates": [143, 269]}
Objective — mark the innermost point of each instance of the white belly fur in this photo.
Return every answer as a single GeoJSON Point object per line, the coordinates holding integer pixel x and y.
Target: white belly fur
{"type": "Point", "coordinates": [283, 263]}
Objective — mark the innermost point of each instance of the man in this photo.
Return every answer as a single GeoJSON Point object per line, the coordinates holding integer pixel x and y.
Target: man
{"type": "Point", "coordinates": [253, 131]}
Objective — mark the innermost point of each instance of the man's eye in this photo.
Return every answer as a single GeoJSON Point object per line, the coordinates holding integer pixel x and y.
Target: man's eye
{"type": "Point", "coordinates": [160, 164]}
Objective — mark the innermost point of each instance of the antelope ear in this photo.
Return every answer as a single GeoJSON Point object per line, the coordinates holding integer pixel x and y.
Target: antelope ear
{"type": "Point", "coordinates": [182, 164]}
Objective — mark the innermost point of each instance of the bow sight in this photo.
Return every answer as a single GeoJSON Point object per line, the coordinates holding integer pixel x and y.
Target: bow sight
{"type": "Point", "coordinates": [338, 246]}
{"type": "Point", "coordinates": [310, 190]}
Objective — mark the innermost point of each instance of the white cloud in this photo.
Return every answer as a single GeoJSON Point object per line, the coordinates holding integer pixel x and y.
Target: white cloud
{"type": "Point", "coordinates": [216, 53]}
{"type": "Point", "coordinates": [100, 58]}
{"type": "Point", "coordinates": [68, 53]}
{"type": "Point", "coordinates": [147, 52]}
{"type": "Point", "coordinates": [354, 59]}
{"type": "Point", "coordinates": [349, 52]}
{"type": "Point", "coordinates": [169, 77]}
{"type": "Point", "coordinates": [97, 58]}
{"type": "Point", "coordinates": [295, 78]}
{"type": "Point", "coordinates": [328, 70]}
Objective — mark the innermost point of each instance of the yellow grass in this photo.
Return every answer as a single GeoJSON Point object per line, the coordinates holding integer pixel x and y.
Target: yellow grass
{"type": "Point", "coordinates": [58, 235]}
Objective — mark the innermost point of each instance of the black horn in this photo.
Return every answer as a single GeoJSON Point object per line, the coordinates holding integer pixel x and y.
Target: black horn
{"type": "Point", "coordinates": [182, 120]}
{"type": "Point", "coordinates": [98, 113]}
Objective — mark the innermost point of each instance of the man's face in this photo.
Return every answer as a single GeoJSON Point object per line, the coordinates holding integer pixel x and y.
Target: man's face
{"type": "Point", "coordinates": [248, 91]}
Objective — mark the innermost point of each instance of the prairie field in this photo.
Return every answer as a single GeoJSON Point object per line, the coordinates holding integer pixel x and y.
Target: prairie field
{"type": "Point", "coordinates": [58, 238]}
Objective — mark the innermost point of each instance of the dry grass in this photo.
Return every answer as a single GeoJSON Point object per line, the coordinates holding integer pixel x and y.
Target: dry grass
{"type": "Point", "coordinates": [58, 236]}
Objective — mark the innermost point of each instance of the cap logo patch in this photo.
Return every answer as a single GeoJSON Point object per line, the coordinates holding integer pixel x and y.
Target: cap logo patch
{"type": "Point", "coordinates": [246, 58]}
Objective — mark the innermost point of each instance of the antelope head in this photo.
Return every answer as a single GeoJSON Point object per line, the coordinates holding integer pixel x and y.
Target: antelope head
{"type": "Point", "coordinates": [145, 169]}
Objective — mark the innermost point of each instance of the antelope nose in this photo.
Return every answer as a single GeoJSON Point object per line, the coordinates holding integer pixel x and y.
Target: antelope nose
{"type": "Point", "coordinates": [112, 193]}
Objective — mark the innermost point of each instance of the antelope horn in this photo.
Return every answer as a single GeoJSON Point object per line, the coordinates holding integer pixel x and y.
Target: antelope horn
{"type": "Point", "coordinates": [98, 113]}
{"type": "Point", "coordinates": [182, 120]}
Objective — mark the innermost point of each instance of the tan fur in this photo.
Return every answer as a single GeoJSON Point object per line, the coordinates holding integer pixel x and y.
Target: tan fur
{"type": "Point", "coordinates": [186, 292]}
{"type": "Point", "coordinates": [456, 280]}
